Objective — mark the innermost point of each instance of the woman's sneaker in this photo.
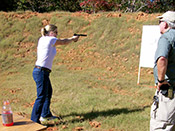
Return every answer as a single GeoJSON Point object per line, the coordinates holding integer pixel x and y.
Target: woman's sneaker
{"type": "Point", "coordinates": [49, 120]}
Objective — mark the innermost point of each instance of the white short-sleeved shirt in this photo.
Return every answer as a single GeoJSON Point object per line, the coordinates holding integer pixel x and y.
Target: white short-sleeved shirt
{"type": "Point", "coordinates": [46, 51]}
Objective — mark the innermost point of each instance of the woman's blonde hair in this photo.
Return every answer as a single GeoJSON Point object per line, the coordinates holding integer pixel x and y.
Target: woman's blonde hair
{"type": "Point", "coordinates": [47, 29]}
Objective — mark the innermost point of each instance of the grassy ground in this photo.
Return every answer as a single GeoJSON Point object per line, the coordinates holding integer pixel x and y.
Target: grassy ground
{"type": "Point", "coordinates": [94, 80]}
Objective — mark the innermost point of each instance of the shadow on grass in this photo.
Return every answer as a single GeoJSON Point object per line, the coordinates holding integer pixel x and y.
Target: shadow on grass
{"type": "Point", "coordinates": [94, 114]}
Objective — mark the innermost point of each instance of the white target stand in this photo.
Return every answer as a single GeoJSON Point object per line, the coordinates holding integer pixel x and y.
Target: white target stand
{"type": "Point", "coordinates": [150, 37]}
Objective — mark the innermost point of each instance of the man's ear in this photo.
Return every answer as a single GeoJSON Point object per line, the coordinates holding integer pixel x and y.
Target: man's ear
{"type": "Point", "coordinates": [166, 25]}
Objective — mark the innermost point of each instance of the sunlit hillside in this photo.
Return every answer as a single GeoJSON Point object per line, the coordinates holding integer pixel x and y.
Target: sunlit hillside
{"type": "Point", "coordinates": [93, 80]}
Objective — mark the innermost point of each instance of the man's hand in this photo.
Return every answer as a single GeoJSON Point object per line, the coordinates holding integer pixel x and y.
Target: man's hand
{"type": "Point", "coordinates": [163, 83]}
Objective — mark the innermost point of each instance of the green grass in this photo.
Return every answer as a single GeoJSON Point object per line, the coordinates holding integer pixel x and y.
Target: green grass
{"type": "Point", "coordinates": [94, 79]}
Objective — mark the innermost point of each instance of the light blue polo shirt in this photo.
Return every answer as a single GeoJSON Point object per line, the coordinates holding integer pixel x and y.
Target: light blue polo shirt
{"type": "Point", "coordinates": [166, 48]}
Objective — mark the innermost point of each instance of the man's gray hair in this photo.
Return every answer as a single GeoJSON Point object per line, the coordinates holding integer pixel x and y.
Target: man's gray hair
{"type": "Point", "coordinates": [171, 24]}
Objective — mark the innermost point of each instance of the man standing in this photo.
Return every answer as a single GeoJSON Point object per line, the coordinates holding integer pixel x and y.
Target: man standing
{"type": "Point", "coordinates": [163, 108]}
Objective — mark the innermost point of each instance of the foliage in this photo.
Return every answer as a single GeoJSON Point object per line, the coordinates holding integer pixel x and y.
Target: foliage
{"type": "Point", "coordinates": [128, 5]}
{"type": "Point", "coordinates": [7, 5]}
{"type": "Point", "coordinates": [159, 6]}
{"type": "Point", "coordinates": [96, 5]}
{"type": "Point", "coordinates": [48, 5]}
{"type": "Point", "coordinates": [67, 5]}
{"type": "Point", "coordinates": [90, 6]}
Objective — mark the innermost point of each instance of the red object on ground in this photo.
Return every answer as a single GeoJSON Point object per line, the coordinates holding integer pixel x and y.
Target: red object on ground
{"type": "Point", "coordinates": [7, 115]}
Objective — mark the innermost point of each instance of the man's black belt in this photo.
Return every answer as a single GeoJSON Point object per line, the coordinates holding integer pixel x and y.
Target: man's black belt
{"type": "Point", "coordinates": [43, 68]}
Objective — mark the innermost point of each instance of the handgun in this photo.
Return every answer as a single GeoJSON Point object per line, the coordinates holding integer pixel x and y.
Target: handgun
{"type": "Point", "coordinates": [80, 35]}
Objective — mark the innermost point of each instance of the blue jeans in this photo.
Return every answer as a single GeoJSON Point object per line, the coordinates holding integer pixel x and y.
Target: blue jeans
{"type": "Point", "coordinates": [44, 94]}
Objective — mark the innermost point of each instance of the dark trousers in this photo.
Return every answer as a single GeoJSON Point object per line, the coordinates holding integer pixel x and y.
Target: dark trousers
{"type": "Point", "coordinates": [44, 94]}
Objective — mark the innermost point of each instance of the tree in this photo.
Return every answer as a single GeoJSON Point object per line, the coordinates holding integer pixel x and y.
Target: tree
{"type": "Point", "coordinates": [96, 5]}
{"type": "Point", "coordinates": [67, 5]}
{"type": "Point", "coordinates": [7, 5]}
{"type": "Point", "coordinates": [148, 6]}
{"type": "Point", "coordinates": [35, 5]}
{"type": "Point", "coordinates": [90, 6]}
{"type": "Point", "coordinates": [49, 5]}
